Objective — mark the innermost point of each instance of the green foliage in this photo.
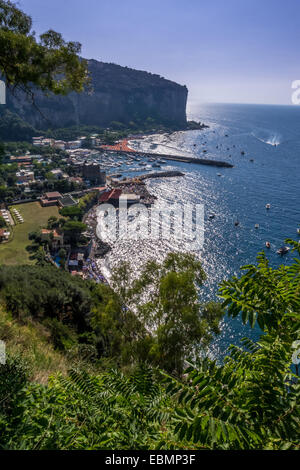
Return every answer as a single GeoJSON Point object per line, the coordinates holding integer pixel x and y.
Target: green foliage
{"type": "Point", "coordinates": [2, 222]}
{"type": "Point", "coordinates": [73, 229]}
{"type": "Point", "coordinates": [249, 402]}
{"type": "Point", "coordinates": [111, 411]}
{"type": "Point", "coordinates": [170, 308]}
{"type": "Point", "coordinates": [45, 292]}
{"type": "Point", "coordinates": [252, 400]}
{"type": "Point", "coordinates": [74, 212]}
{"type": "Point", "coordinates": [116, 125]}
{"type": "Point", "coordinates": [62, 253]}
{"type": "Point", "coordinates": [62, 336]}
{"type": "Point", "coordinates": [264, 295]}
{"type": "Point", "coordinates": [87, 201]}
{"type": "Point", "coordinates": [51, 64]}
{"type": "Point", "coordinates": [13, 127]}
{"type": "Point", "coordinates": [52, 222]}
{"type": "Point", "coordinates": [13, 376]}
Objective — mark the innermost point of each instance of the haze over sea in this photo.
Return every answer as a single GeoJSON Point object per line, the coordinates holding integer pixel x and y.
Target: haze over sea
{"type": "Point", "coordinates": [240, 193]}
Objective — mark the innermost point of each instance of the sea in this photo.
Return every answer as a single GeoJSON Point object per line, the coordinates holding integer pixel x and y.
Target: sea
{"type": "Point", "coordinates": [263, 144]}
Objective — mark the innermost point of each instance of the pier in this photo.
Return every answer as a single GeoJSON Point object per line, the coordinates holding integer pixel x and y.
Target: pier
{"type": "Point", "coordinates": [160, 174]}
{"type": "Point", "coordinates": [139, 178]}
{"type": "Point", "coordinates": [175, 158]}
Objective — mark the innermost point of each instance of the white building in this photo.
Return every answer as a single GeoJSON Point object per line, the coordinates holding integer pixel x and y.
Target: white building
{"type": "Point", "coordinates": [24, 177]}
{"type": "Point", "coordinates": [73, 144]}
{"type": "Point", "coordinates": [59, 144]}
{"type": "Point", "coordinates": [59, 174]}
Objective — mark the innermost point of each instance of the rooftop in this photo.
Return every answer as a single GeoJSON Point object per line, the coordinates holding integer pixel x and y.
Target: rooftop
{"type": "Point", "coordinates": [113, 194]}
{"type": "Point", "coordinates": [66, 201]}
{"type": "Point", "coordinates": [54, 195]}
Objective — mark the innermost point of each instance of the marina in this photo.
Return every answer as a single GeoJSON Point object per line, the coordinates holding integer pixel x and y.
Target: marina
{"type": "Point", "coordinates": [176, 158]}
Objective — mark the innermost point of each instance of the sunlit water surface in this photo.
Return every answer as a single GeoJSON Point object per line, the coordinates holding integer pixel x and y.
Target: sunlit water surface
{"type": "Point", "coordinates": [270, 137]}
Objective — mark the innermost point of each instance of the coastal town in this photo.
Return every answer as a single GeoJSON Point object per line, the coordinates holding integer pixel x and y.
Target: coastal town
{"type": "Point", "coordinates": [149, 230]}
{"type": "Point", "coordinates": [50, 194]}
{"type": "Point", "coordinates": [50, 199]}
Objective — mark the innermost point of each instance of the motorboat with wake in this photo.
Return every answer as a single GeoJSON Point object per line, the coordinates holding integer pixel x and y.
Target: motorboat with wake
{"type": "Point", "coordinates": [283, 250]}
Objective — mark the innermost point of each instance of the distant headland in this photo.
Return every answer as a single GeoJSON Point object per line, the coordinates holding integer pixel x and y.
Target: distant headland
{"type": "Point", "coordinates": [117, 94]}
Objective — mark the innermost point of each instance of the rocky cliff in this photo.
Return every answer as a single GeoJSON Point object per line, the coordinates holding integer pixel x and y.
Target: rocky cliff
{"type": "Point", "coordinates": [118, 94]}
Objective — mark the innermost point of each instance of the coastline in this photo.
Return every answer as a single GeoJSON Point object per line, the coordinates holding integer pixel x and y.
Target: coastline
{"type": "Point", "coordinates": [101, 249]}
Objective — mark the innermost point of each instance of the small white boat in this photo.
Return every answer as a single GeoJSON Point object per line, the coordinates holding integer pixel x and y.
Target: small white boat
{"type": "Point", "coordinates": [298, 231]}
{"type": "Point", "coordinates": [256, 226]}
{"type": "Point", "coordinates": [268, 245]}
{"type": "Point", "coordinates": [268, 206]}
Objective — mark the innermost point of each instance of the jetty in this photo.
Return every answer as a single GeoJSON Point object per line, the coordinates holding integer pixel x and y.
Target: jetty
{"type": "Point", "coordinates": [175, 158]}
{"type": "Point", "coordinates": [160, 174]}
{"type": "Point", "coordinates": [145, 176]}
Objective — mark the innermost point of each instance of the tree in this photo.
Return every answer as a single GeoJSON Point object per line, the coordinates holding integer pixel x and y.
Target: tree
{"type": "Point", "coordinates": [73, 230]}
{"type": "Point", "coordinates": [39, 256]}
{"type": "Point", "coordinates": [3, 193]}
{"type": "Point", "coordinates": [50, 64]}
{"type": "Point", "coordinates": [2, 152]}
{"type": "Point", "coordinates": [113, 411]}
{"type": "Point", "coordinates": [248, 402]}
{"type": "Point", "coordinates": [74, 212]}
{"type": "Point", "coordinates": [52, 222]}
{"type": "Point", "coordinates": [117, 125]}
{"type": "Point", "coordinates": [2, 222]}
{"type": "Point", "coordinates": [252, 400]}
{"type": "Point", "coordinates": [61, 222]}
{"type": "Point", "coordinates": [166, 300]}
{"type": "Point", "coordinates": [11, 180]}
{"type": "Point", "coordinates": [42, 292]}
{"type": "Point", "coordinates": [63, 255]}
{"type": "Point", "coordinates": [121, 336]}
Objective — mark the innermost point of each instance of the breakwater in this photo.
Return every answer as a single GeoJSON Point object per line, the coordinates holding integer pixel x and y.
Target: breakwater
{"type": "Point", "coordinates": [160, 174]}
{"type": "Point", "coordinates": [177, 158]}
{"type": "Point", "coordinates": [145, 176]}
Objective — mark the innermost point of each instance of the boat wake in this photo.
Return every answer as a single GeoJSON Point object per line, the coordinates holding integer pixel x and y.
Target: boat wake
{"type": "Point", "coordinates": [273, 140]}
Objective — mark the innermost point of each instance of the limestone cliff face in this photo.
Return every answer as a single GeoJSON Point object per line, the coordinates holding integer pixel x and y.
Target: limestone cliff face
{"type": "Point", "coordinates": [118, 94]}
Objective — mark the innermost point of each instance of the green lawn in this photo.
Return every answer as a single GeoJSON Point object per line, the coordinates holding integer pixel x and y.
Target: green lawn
{"type": "Point", "coordinates": [34, 217]}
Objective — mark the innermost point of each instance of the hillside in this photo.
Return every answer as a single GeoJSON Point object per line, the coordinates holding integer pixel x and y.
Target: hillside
{"type": "Point", "coordinates": [118, 94]}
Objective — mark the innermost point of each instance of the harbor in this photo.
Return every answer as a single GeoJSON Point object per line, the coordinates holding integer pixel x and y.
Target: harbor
{"type": "Point", "coordinates": [175, 158]}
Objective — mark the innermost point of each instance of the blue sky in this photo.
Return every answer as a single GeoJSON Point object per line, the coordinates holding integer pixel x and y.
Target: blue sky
{"type": "Point", "coordinates": [244, 51]}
